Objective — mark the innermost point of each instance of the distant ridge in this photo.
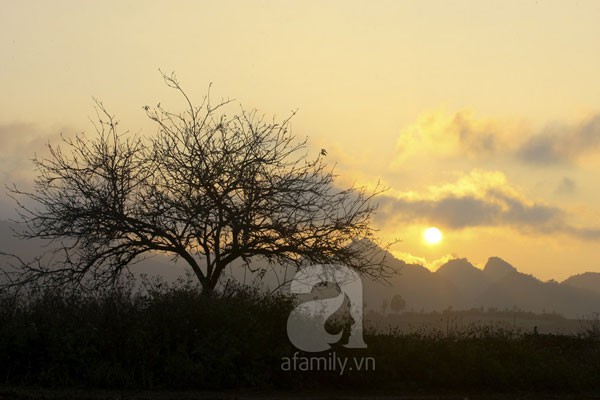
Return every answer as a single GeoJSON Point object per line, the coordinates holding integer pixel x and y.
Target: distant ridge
{"type": "Point", "coordinates": [496, 268]}
{"type": "Point", "coordinates": [465, 276]}
{"type": "Point", "coordinates": [499, 285]}
{"type": "Point", "coordinates": [588, 281]}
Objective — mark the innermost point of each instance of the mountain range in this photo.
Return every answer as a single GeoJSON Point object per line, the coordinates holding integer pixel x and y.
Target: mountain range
{"type": "Point", "coordinates": [457, 284]}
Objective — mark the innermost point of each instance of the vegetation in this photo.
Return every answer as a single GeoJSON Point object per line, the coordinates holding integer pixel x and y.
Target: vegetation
{"type": "Point", "coordinates": [170, 336]}
{"type": "Point", "coordinates": [208, 188]}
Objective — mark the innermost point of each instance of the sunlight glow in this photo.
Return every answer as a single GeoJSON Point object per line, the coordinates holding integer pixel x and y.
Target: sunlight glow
{"type": "Point", "coordinates": [432, 235]}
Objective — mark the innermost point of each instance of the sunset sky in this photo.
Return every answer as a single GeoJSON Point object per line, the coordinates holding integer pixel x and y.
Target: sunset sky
{"type": "Point", "coordinates": [482, 117]}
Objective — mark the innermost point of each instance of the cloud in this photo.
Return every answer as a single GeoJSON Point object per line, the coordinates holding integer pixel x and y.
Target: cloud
{"type": "Point", "coordinates": [17, 147]}
{"type": "Point", "coordinates": [566, 186]}
{"type": "Point", "coordinates": [562, 144]}
{"type": "Point", "coordinates": [459, 212]}
{"type": "Point", "coordinates": [19, 143]}
{"type": "Point", "coordinates": [478, 199]}
{"type": "Point", "coordinates": [476, 136]}
{"type": "Point", "coordinates": [465, 136]}
{"type": "Point", "coordinates": [541, 149]}
{"type": "Point", "coordinates": [455, 135]}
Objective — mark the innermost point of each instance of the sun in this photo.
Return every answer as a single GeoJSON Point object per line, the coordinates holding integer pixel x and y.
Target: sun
{"type": "Point", "coordinates": [432, 235]}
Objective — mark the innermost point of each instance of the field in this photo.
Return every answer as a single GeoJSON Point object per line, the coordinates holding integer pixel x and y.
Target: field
{"type": "Point", "coordinates": [169, 341]}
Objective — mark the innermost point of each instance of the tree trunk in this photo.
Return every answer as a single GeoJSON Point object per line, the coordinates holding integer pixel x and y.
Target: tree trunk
{"type": "Point", "coordinates": [208, 290]}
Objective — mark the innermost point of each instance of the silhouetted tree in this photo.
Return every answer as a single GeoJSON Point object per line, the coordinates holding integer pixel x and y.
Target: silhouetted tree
{"type": "Point", "coordinates": [207, 188]}
{"type": "Point", "coordinates": [398, 303]}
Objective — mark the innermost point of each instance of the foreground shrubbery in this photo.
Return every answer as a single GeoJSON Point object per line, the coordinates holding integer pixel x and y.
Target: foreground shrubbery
{"type": "Point", "coordinates": [170, 336]}
{"type": "Point", "coordinates": [165, 336]}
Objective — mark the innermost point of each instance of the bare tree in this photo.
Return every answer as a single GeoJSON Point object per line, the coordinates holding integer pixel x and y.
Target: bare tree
{"type": "Point", "coordinates": [207, 188]}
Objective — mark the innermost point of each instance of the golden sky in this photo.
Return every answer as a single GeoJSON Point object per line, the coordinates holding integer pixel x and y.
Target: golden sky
{"type": "Point", "coordinates": [483, 117]}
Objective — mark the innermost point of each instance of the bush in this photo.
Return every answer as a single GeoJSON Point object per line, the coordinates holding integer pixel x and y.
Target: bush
{"type": "Point", "coordinates": [171, 336]}
{"type": "Point", "coordinates": [165, 335]}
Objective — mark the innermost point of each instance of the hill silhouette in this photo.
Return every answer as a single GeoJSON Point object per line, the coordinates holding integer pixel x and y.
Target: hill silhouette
{"type": "Point", "coordinates": [457, 284]}
{"type": "Point", "coordinates": [588, 280]}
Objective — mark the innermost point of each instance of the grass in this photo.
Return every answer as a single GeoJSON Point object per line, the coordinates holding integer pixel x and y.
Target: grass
{"type": "Point", "coordinates": [169, 337]}
{"type": "Point", "coordinates": [99, 394]}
